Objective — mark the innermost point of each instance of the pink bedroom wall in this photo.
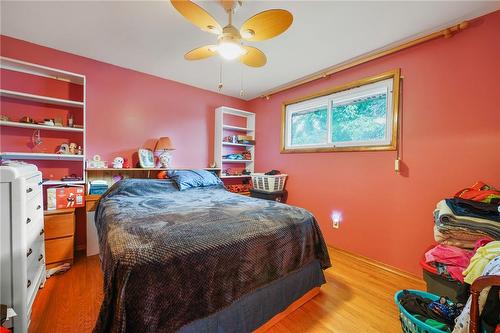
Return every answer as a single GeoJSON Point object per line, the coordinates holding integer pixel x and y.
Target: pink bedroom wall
{"type": "Point", "coordinates": [451, 138]}
{"type": "Point", "coordinates": [127, 110]}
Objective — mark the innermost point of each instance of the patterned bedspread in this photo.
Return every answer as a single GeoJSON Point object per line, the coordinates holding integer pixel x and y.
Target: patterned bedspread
{"type": "Point", "coordinates": [170, 257]}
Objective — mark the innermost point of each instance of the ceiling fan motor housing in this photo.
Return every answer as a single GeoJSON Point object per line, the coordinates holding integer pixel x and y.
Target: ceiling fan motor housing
{"type": "Point", "coordinates": [230, 35]}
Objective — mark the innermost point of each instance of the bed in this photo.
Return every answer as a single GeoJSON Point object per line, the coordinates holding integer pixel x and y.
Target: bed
{"type": "Point", "coordinates": [201, 259]}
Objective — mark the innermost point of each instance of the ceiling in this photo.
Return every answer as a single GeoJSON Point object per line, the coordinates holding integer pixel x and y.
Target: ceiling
{"type": "Point", "coordinates": [151, 37]}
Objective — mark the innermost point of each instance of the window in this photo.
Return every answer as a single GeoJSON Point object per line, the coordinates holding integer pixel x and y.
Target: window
{"type": "Point", "coordinates": [358, 116]}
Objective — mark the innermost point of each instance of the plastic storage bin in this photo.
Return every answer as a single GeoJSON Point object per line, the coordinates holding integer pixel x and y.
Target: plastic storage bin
{"type": "Point", "coordinates": [438, 284]}
{"type": "Point", "coordinates": [268, 183]}
{"type": "Point", "coordinates": [279, 196]}
{"type": "Point", "coordinates": [410, 324]}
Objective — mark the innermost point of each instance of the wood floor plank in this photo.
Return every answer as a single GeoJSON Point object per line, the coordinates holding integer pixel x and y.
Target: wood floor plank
{"type": "Point", "coordinates": [358, 297]}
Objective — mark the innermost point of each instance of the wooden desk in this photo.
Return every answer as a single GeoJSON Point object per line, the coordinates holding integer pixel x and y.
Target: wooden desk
{"type": "Point", "coordinates": [91, 202]}
{"type": "Point", "coordinates": [59, 236]}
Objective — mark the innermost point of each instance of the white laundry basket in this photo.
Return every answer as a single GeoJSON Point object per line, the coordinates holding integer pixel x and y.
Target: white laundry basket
{"type": "Point", "coordinates": [268, 183]}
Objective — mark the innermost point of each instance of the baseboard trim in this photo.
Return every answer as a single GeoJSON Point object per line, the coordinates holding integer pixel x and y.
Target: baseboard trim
{"type": "Point", "coordinates": [378, 264]}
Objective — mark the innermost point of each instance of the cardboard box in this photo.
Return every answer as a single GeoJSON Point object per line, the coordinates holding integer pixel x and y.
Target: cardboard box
{"type": "Point", "coordinates": [245, 137]}
{"type": "Point", "coordinates": [65, 197]}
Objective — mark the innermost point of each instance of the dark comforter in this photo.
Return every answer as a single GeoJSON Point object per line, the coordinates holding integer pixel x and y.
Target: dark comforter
{"type": "Point", "coordinates": [170, 257]}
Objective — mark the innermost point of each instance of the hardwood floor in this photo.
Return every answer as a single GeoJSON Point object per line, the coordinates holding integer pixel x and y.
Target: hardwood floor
{"type": "Point", "coordinates": [357, 298]}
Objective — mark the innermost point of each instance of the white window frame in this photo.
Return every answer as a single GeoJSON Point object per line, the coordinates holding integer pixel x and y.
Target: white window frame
{"type": "Point", "coordinates": [387, 83]}
{"type": "Point", "coordinates": [303, 107]}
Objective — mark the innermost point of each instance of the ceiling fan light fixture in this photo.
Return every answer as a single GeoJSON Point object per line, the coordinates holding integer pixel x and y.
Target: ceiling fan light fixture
{"type": "Point", "coordinates": [230, 50]}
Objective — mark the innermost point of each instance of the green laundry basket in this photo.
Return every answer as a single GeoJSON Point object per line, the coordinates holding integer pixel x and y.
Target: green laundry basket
{"type": "Point", "coordinates": [409, 323]}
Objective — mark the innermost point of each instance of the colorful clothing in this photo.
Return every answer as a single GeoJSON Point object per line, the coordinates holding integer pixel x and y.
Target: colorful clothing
{"type": "Point", "coordinates": [480, 192]}
{"type": "Point", "coordinates": [480, 260]}
{"type": "Point", "coordinates": [462, 322]}
{"type": "Point", "coordinates": [455, 259]}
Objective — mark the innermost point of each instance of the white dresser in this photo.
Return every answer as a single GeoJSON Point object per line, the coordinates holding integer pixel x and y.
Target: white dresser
{"type": "Point", "coordinates": [22, 251]}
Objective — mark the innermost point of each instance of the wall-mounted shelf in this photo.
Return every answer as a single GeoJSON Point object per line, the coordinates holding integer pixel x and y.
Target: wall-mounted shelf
{"type": "Point", "coordinates": [39, 126]}
{"type": "Point", "coordinates": [237, 144]}
{"type": "Point", "coordinates": [39, 98]}
{"type": "Point", "coordinates": [126, 169]}
{"type": "Point", "coordinates": [237, 128]}
{"type": "Point", "coordinates": [40, 156]}
{"type": "Point", "coordinates": [236, 161]}
{"type": "Point", "coordinates": [60, 182]}
{"type": "Point", "coordinates": [39, 70]}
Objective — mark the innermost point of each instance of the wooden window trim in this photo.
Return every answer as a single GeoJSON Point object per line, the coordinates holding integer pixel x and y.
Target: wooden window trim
{"type": "Point", "coordinates": [394, 74]}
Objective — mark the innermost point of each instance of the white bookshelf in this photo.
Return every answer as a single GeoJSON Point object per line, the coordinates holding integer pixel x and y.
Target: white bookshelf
{"type": "Point", "coordinates": [80, 106]}
{"type": "Point", "coordinates": [222, 130]}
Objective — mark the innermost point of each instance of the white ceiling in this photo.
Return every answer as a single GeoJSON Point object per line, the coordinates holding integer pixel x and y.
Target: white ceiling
{"type": "Point", "coordinates": [149, 36]}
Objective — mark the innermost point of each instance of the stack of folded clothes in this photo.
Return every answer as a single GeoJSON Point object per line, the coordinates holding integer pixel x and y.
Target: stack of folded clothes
{"type": "Point", "coordinates": [471, 215]}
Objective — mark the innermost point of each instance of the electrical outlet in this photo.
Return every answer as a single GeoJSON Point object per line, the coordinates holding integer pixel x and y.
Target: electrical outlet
{"type": "Point", "coordinates": [335, 224]}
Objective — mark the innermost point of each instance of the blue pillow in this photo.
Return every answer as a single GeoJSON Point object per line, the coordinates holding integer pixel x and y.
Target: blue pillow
{"type": "Point", "coordinates": [193, 178]}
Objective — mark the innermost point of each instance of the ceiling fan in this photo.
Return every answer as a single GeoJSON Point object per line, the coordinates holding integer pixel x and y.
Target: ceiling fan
{"type": "Point", "coordinates": [262, 26]}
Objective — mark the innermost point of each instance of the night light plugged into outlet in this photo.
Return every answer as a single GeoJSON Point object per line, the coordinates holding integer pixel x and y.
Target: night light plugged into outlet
{"type": "Point", "coordinates": [336, 218]}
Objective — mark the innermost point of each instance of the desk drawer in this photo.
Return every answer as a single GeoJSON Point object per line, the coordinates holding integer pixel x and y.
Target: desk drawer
{"type": "Point", "coordinates": [60, 249]}
{"type": "Point", "coordinates": [59, 225]}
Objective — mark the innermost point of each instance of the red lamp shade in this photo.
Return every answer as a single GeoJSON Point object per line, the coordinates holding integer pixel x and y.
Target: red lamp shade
{"type": "Point", "coordinates": [164, 144]}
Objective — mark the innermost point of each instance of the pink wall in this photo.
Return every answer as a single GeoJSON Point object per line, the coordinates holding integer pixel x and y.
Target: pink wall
{"type": "Point", "coordinates": [127, 110]}
{"type": "Point", "coordinates": [451, 138]}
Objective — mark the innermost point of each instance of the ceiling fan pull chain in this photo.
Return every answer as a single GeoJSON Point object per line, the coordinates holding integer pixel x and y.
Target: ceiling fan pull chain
{"type": "Point", "coordinates": [242, 92]}
{"type": "Point", "coordinates": [221, 84]}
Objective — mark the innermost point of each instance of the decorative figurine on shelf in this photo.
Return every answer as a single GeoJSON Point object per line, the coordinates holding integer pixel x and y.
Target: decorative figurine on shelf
{"type": "Point", "coordinates": [212, 165]}
{"type": "Point", "coordinates": [36, 138]}
{"type": "Point", "coordinates": [73, 148]}
{"type": "Point", "coordinates": [118, 163]}
{"type": "Point", "coordinates": [126, 164]}
{"type": "Point", "coordinates": [70, 120]}
{"type": "Point", "coordinates": [162, 152]}
{"type": "Point", "coordinates": [27, 120]}
{"type": "Point", "coordinates": [79, 150]}
{"type": "Point", "coordinates": [96, 163]}
{"type": "Point", "coordinates": [63, 149]}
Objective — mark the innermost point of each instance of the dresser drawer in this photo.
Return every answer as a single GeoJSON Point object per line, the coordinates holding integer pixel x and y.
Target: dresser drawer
{"type": "Point", "coordinates": [34, 211]}
{"type": "Point", "coordinates": [35, 234]}
{"type": "Point", "coordinates": [35, 257]}
{"type": "Point", "coordinates": [59, 225]}
{"type": "Point", "coordinates": [60, 249]}
{"type": "Point", "coordinates": [33, 187]}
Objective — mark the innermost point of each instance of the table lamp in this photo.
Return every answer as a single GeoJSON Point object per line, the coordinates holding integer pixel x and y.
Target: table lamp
{"type": "Point", "coordinates": [162, 152]}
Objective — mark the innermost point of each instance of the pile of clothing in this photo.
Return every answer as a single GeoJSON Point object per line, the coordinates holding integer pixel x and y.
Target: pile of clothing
{"type": "Point", "coordinates": [471, 215]}
{"type": "Point", "coordinates": [439, 314]}
{"type": "Point", "coordinates": [489, 298]}
{"type": "Point", "coordinates": [464, 266]}
{"type": "Point", "coordinates": [467, 229]}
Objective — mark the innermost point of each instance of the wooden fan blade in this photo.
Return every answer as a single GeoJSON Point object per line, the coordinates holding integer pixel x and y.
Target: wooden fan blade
{"type": "Point", "coordinates": [254, 57]}
{"type": "Point", "coordinates": [266, 24]}
{"type": "Point", "coordinates": [197, 15]}
{"type": "Point", "coordinates": [201, 52]}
